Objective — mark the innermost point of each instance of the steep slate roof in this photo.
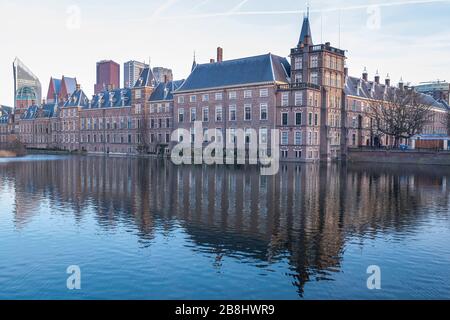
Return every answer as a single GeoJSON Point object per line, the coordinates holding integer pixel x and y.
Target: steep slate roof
{"type": "Point", "coordinates": [111, 99]}
{"type": "Point", "coordinates": [5, 114]}
{"type": "Point", "coordinates": [56, 85]}
{"type": "Point", "coordinates": [370, 90]}
{"type": "Point", "coordinates": [266, 68]}
{"type": "Point", "coordinates": [164, 91]}
{"type": "Point", "coordinates": [77, 99]}
{"type": "Point", "coordinates": [44, 111]}
{"type": "Point", "coordinates": [71, 84]}
{"type": "Point", "coordinates": [5, 109]}
{"type": "Point", "coordinates": [306, 30]}
{"type": "Point", "coordinates": [4, 118]}
{"type": "Point", "coordinates": [146, 79]}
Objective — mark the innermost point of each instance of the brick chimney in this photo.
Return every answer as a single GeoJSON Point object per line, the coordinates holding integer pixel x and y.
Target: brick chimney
{"type": "Point", "coordinates": [78, 87]}
{"type": "Point", "coordinates": [401, 84]}
{"type": "Point", "coordinates": [365, 75]}
{"type": "Point", "coordinates": [219, 54]}
{"type": "Point", "coordinates": [377, 78]}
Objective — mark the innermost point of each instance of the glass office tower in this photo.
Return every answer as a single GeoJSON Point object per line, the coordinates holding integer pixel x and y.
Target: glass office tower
{"type": "Point", "coordinates": [27, 87]}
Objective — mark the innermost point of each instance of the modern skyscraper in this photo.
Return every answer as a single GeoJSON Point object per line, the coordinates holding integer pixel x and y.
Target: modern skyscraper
{"type": "Point", "coordinates": [132, 70]}
{"type": "Point", "coordinates": [27, 87]}
{"type": "Point", "coordinates": [162, 75]}
{"type": "Point", "coordinates": [108, 75]}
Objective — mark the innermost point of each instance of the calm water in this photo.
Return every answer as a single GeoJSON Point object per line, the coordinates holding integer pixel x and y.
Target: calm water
{"type": "Point", "coordinates": [146, 229]}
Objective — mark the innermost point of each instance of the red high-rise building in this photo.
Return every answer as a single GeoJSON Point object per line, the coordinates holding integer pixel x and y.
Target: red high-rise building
{"type": "Point", "coordinates": [108, 75]}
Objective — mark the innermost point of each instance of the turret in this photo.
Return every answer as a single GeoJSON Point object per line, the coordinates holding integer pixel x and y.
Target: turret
{"type": "Point", "coordinates": [305, 35]}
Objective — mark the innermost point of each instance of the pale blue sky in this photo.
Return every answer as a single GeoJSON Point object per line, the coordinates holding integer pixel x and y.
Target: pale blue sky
{"type": "Point", "coordinates": [55, 37]}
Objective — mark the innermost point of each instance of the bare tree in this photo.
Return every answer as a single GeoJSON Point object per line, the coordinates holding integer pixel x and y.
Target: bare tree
{"type": "Point", "coordinates": [400, 113]}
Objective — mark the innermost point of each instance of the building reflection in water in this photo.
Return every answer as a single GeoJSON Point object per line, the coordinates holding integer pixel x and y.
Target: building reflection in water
{"type": "Point", "coordinates": [304, 214]}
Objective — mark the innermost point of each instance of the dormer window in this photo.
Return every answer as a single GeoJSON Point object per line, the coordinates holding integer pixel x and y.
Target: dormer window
{"type": "Point", "coordinates": [123, 97]}
{"type": "Point", "coordinates": [137, 94]}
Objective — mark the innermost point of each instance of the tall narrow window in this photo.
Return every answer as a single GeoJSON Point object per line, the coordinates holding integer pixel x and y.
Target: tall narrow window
{"type": "Point", "coordinates": [298, 138]}
{"type": "Point", "coordinates": [219, 114]}
{"type": "Point", "coordinates": [284, 138]}
{"type": "Point", "coordinates": [248, 112]}
{"type": "Point", "coordinates": [232, 113]}
{"type": "Point", "coordinates": [298, 118]}
{"type": "Point", "coordinates": [284, 119]}
{"type": "Point", "coordinates": [263, 111]}
{"type": "Point", "coordinates": [205, 114]}
{"type": "Point", "coordinates": [285, 99]}
{"type": "Point", "coordinates": [298, 98]}
{"type": "Point", "coordinates": [193, 114]}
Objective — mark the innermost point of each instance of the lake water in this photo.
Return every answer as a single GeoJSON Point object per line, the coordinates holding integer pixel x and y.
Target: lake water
{"type": "Point", "coordinates": [146, 229]}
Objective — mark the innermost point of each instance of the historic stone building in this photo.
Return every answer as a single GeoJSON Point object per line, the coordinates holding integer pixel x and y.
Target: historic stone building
{"type": "Point", "coordinates": [6, 124]}
{"type": "Point", "coordinates": [37, 126]}
{"type": "Point", "coordinates": [319, 110]}
{"type": "Point", "coordinates": [358, 124]}
{"type": "Point", "coordinates": [232, 95]}
{"type": "Point", "coordinates": [161, 122]}
{"type": "Point", "coordinates": [309, 107]}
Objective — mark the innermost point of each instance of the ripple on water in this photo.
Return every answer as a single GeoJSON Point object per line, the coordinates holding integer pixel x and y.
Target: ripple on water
{"type": "Point", "coordinates": [141, 228]}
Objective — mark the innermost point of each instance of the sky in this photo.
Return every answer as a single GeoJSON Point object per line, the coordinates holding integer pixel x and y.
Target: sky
{"type": "Point", "coordinates": [408, 39]}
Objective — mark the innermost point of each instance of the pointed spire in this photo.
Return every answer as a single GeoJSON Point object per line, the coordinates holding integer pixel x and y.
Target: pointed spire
{"type": "Point", "coordinates": [194, 64]}
{"type": "Point", "coordinates": [305, 35]}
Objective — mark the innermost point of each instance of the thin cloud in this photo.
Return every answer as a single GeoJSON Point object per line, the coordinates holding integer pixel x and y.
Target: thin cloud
{"type": "Point", "coordinates": [235, 11]}
{"type": "Point", "coordinates": [166, 5]}
{"type": "Point", "coordinates": [239, 6]}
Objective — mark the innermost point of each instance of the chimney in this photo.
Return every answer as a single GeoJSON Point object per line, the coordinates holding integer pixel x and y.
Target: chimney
{"type": "Point", "coordinates": [377, 78]}
{"type": "Point", "coordinates": [78, 87]}
{"type": "Point", "coordinates": [388, 81]}
{"type": "Point", "coordinates": [219, 54]}
{"type": "Point", "coordinates": [212, 61]}
{"type": "Point", "coordinates": [401, 85]}
{"type": "Point", "coordinates": [346, 72]}
{"type": "Point", "coordinates": [365, 75]}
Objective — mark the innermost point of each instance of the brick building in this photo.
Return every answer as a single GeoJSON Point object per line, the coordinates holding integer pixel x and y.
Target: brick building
{"type": "Point", "coordinates": [358, 127]}
{"type": "Point", "coordinates": [161, 120]}
{"type": "Point", "coordinates": [232, 95]}
{"type": "Point", "coordinates": [318, 108]}
{"type": "Point", "coordinates": [108, 76]}
{"type": "Point", "coordinates": [6, 124]}
{"type": "Point", "coordinates": [37, 126]}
